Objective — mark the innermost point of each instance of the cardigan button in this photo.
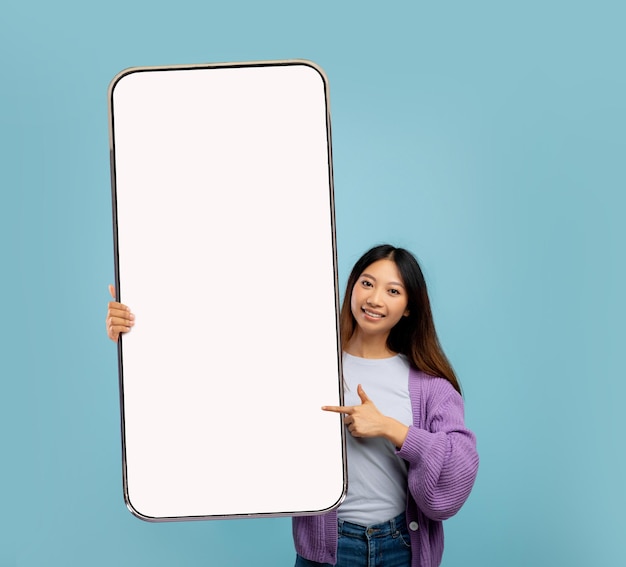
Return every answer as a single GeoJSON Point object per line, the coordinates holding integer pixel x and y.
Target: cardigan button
{"type": "Point", "coordinates": [413, 526]}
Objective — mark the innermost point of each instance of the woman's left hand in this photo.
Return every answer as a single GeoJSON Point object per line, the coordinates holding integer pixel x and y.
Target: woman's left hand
{"type": "Point", "coordinates": [366, 420]}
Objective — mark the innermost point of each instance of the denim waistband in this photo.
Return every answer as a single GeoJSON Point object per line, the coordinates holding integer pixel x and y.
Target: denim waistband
{"type": "Point", "coordinates": [383, 529]}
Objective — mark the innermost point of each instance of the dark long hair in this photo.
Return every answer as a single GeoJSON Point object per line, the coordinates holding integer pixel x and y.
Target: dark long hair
{"type": "Point", "coordinates": [414, 335]}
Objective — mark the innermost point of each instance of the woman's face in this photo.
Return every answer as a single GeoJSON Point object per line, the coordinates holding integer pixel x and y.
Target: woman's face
{"type": "Point", "coordinates": [379, 299]}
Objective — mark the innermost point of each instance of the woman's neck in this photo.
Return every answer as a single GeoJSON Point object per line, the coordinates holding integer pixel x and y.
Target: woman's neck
{"type": "Point", "coordinates": [369, 346]}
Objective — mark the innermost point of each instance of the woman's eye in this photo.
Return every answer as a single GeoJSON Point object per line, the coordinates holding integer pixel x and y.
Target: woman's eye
{"type": "Point", "coordinates": [366, 283]}
{"type": "Point", "coordinates": [394, 292]}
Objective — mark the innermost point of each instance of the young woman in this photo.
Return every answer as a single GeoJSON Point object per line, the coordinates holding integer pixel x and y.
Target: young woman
{"type": "Point", "coordinates": [411, 460]}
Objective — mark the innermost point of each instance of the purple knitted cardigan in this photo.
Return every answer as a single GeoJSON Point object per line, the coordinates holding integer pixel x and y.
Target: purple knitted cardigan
{"type": "Point", "coordinates": [443, 462]}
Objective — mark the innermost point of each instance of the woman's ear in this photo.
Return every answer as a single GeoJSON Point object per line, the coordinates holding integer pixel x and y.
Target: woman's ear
{"type": "Point", "coordinates": [406, 313]}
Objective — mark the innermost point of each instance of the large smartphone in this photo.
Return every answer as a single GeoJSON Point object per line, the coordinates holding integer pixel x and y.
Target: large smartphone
{"type": "Point", "coordinates": [225, 250]}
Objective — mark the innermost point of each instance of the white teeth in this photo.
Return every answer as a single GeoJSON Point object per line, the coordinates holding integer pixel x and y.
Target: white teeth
{"type": "Point", "coordinates": [377, 315]}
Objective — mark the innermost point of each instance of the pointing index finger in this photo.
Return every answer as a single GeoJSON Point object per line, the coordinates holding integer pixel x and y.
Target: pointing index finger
{"type": "Point", "coordinates": [339, 409]}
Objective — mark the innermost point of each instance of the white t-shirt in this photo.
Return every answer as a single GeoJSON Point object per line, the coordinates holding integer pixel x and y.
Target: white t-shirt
{"type": "Point", "coordinates": [377, 477]}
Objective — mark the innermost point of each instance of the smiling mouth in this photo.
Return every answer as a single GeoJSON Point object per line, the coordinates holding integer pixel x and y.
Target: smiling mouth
{"type": "Point", "coordinates": [372, 314]}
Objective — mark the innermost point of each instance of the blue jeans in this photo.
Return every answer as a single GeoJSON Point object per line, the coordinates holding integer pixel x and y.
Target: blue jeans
{"type": "Point", "coordinates": [379, 545]}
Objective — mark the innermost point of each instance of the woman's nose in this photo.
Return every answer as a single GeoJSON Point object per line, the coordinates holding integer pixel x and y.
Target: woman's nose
{"type": "Point", "coordinates": [373, 299]}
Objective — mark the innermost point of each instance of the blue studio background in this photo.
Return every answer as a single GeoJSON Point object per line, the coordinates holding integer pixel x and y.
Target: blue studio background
{"type": "Point", "coordinates": [487, 137]}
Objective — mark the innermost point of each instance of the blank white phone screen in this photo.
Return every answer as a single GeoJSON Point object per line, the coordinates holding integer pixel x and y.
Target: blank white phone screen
{"type": "Point", "coordinates": [225, 252]}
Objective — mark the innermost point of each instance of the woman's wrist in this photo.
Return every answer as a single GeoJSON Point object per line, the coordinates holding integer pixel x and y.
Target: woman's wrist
{"type": "Point", "coordinates": [395, 431]}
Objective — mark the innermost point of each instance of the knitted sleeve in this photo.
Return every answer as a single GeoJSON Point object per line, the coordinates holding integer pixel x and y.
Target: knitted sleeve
{"type": "Point", "coordinates": [442, 456]}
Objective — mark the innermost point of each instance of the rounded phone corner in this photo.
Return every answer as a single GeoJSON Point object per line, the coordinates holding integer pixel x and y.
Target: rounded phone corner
{"type": "Point", "coordinates": [334, 506]}
{"type": "Point", "coordinates": [315, 67]}
{"type": "Point", "coordinates": [121, 75]}
{"type": "Point", "coordinates": [135, 512]}
{"type": "Point", "coordinates": [341, 498]}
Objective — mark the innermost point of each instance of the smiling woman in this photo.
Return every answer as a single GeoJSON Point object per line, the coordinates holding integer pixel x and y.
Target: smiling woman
{"type": "Point", "coordinates": [411, 460]}
{"type": "Point", "coordinates": [378, 299]}
{"type": "Point", "coordinates": [412, 334]}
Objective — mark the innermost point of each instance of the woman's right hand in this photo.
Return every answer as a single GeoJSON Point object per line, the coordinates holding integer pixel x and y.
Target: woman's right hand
{"type": "Point", "coordinates": [119, 318]}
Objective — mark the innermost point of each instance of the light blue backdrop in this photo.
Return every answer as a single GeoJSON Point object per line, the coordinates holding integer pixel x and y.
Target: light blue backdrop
{"type": "Point", "coordinates": [486, 136]}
